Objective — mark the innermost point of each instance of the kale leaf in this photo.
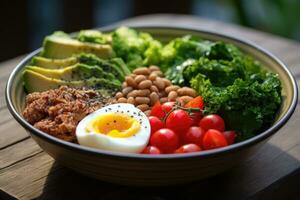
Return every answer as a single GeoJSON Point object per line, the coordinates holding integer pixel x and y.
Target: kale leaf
{"type": "Point", "coordinates": [247, 106]}
{"type": "Point", "coordinates": [233, 84]}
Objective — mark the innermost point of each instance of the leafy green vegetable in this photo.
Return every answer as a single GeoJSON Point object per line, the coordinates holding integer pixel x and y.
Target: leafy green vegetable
{"type": "Point", "coordinates": [220, 72]}
{"type": "Point", "coordinates": [136, 48]}
{"type": "Point", "coordinates": [246, 106]}
{"type": "Point", "coordinates": [175, 74]}
{"type": "Point", "coordinates": [181, 49]}
{"type": "Point", "coordinates": [232, 83]}
{"type": "Point", "coordinates": [247, 101]}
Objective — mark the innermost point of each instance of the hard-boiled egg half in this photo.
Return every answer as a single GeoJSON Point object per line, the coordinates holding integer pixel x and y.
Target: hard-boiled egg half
{"type": "Point", "coordinates": [118, 127]}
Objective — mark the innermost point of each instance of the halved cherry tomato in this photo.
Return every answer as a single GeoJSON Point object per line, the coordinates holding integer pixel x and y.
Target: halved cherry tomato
{"type": "Point", "coordinates": [230, 136]}
{"type": "Point", "coordinates": [155, 124]}
{"type": "Point", "coordinates": [167, 107]}
{"type": "Point", "coordinates": [213, 139]}
{"type": "Point", "coordinates": [188, 148]}
{"type": "Point", "coordinates": [151, 150]}
{"type": "Point", "coordinates": [212, 121]}
{"type": "Point", "coordinates": [179, 121]}
{"type": "Point", "coordinates": [165, 139]}
{"type": "Point", "coordinates": [157, 111]}
{"type": "Point", "coordinates": [193, 135]}
{"type": "Point", "coordinates": [195, 103]}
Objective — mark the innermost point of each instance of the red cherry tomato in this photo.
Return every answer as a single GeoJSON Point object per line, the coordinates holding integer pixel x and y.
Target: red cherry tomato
{"type": "Point", "coordinates": [155, 124]}
{"type": "Point", "coordinates": [188, 148]}
{"type": "Point", "coordinates": [212, 121]}
{"type": "Point", "coordinates": [195, 118]}
{"type": "Point", "coordinates": [195, 103]}
{"type": "Point", "coordinates": [151, 150]}
{"type": "Point", "coordinates": [213, 139]}
{"type": "Point", "coordinates": [165, 139]}
{"type": "Point", "coordinates": [167, 107]}
{"type": "Point", "coordinates": [193, 135]}
{"type": "Point", "coordinates": [230, 136]}
{"type": "Point", "coordinates": [179, 121]}
{"type": "Point", "coordinates": [157, 111]}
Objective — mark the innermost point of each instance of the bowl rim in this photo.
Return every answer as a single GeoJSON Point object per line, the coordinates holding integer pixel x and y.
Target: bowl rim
{"type": "Point", "coordinates": [120, 155]}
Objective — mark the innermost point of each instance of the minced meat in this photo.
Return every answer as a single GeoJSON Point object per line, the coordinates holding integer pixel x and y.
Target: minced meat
{"type": "Point", "coordinates": [57, 112]}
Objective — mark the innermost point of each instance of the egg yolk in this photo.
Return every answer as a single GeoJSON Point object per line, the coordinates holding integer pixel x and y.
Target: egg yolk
{"type": "Point", "coordinates": [115, 125]}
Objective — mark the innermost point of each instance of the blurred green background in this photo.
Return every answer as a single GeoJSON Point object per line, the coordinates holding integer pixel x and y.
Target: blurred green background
{"type": "Point", "coordinates": [24, 23]}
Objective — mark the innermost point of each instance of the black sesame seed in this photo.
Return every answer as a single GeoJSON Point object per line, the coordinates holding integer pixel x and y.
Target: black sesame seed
{"type": "Point", "coordinates": [119, 106]}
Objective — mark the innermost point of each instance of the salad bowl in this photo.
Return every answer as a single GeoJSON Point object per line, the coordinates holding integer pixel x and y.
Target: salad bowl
{"type": "Point", "coordinates": [165, 169]}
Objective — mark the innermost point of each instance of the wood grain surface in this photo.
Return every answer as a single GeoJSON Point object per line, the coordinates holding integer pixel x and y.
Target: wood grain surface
{"type": "Point", "coordinates": [26, 172]}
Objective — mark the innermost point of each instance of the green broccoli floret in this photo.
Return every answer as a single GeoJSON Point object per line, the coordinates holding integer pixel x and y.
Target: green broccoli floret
{"type": "Point", "coordinates": [93, 36]}
{"type": "Point", "coordinates": [135, 48]}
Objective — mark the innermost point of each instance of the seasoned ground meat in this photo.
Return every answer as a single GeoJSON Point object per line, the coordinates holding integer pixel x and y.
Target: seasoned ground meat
{"type": "Point", "coordinates": [57, 112]}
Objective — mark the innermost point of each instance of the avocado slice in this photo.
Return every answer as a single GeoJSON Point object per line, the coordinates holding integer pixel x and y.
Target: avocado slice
{"type": "Point", "coordinates": [60, 46]}
{"type": "Point", "coordinates": [106, 65]}
{"type": "Point", "coordinates": [35, 82]}
{"type": "Point", "coordinates": [76, 72]}
{"type": "Point", "coordinates": [120, 63]}
{"type": "Point", "coordinates": [53, 63]}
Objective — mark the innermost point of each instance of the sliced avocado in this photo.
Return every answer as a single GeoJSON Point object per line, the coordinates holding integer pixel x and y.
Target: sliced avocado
{"type": "Point", "coordinates": [53, 63]}
{"type": "Point", "coordinates": [107, 66]}
{"type": "Point", "coordinates": [35, 82]}
{"type": "Point", "coordinates": [59, 47]}
{"type": "Point", "coordinates": [76, 72]}
{"type": "Point", "coordinates": [120, 63]}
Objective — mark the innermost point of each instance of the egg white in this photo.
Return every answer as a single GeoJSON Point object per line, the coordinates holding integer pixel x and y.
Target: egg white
{"type": "Point", "coordinates": [132, 144]}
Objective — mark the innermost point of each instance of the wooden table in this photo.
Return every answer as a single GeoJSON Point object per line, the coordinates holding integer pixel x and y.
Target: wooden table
{"type": "Point", "coordinates": [26, 172]}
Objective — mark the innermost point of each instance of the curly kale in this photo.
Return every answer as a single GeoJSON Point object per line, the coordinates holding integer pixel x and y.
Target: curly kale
{"type": "Point", "coordinates": [233, 84]}
{"type": "Point", "coordinates": [247, 105]}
